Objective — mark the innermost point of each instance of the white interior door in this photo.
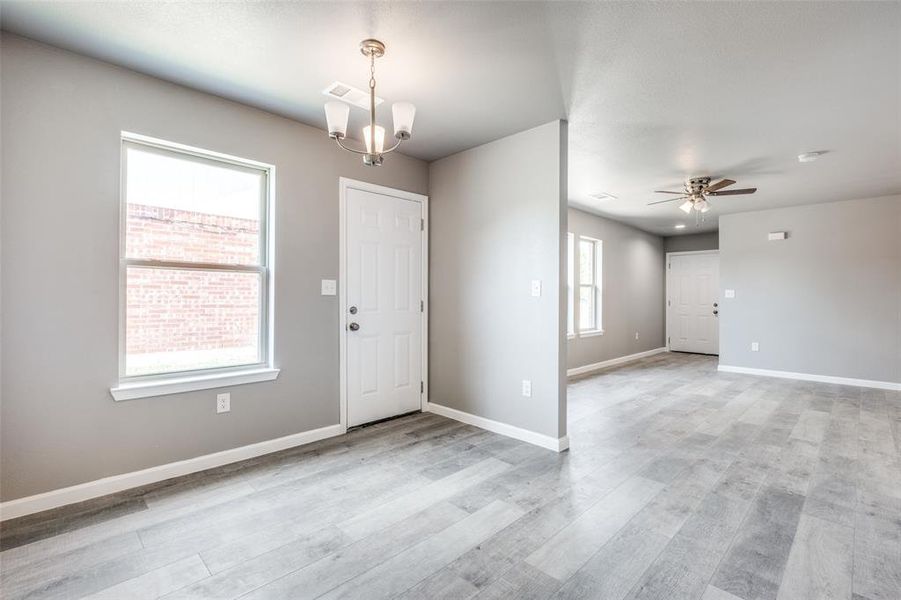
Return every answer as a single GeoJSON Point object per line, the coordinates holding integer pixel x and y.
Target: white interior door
{"type": "Point", "coordinates": [384, 305]}
{"type": "Point", "coordinates": [693, 285]}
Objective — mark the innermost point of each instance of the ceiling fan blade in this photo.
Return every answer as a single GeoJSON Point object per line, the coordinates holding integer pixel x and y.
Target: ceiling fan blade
{"type": "Point", "coordinates": [719, 185]}
{"type": "Point", "coordinates": [667, 200]}
{"type": "Point", "coordinates": [665, 192]}
{"type": "Point", "coordinates": [733, 192]}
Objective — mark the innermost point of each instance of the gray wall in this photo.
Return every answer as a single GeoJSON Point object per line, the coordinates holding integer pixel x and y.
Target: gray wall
{"type": "Point", "coordinates": [632, 291]}
{"type": "Point", "coordinates": [61, 118]}
{"type": "Point", "coordinates": [826, 301]}
{"type": "Point", "coordinates": [691, 242]}
{"type": "Point", "coordinates": [497, 215]}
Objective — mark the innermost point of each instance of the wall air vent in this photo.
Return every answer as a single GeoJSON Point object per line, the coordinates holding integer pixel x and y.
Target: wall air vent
{"type": "Point", "coordinates": [349, 94]}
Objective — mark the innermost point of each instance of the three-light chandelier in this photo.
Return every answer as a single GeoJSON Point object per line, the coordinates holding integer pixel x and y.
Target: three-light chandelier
{"type": "Point", "coordinates": [336, 114]}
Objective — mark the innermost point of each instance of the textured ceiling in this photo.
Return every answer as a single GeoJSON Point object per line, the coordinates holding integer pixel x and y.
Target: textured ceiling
{"type": "Point", "coordinates": [654, 92]}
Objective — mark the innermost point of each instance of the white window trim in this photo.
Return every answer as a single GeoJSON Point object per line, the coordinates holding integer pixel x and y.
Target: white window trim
{"type": "Point", "coordinates": [145, 386]}
{"type": "Point", "coordinates": [597, 277]}
{"type": "Point", "coordinates": [177, 385]}
{"type": "Point", "coordinates": [591, 333]}
{"type": "Point", "coordinates": [571, 286]}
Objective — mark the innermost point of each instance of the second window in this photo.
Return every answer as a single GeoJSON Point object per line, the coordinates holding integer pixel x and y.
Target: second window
{"type": "Point", "coordinates": [590, 276]}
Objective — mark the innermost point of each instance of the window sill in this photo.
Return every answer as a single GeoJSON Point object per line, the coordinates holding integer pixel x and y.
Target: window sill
{"type": "Point", "coordinates": [177, 385]}
{"type": "Point", "coordinates": [591, 333]}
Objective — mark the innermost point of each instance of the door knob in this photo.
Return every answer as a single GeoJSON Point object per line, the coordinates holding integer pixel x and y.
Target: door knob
{"type": "Point", "coordinates": [353, 326]}
{"type": "Point", "coordinates": [716, 312]}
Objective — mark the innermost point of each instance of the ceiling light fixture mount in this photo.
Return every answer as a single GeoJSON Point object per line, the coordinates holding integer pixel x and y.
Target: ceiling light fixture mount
{"type": "Point", "coordinates": [337, 113]}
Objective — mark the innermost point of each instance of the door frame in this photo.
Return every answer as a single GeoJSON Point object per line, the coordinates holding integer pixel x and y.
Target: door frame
{"type": "Point", "coordinates": [666, 300]}
{"type": "Point", "coordinates": [344, 184]}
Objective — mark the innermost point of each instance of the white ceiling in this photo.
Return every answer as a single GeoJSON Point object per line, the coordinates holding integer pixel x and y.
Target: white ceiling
{"type": "Point", "coordinates": [654, 92]}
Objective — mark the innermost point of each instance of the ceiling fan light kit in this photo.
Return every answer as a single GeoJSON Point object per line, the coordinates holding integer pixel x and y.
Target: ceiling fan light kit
{"type": "Point", "coordinates": [697, 189]}
{"type": "Point", "coordinates": [337, 114]}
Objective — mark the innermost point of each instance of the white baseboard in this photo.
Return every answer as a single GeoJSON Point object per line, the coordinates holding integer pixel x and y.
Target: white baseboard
{"type": "Point", "coordinates": [612, 362]}
{"type": "Point", "coordinates": [545, 441]}
{"type": "Point", "coordinates": [870, 383]}
{"type": "Point", "coordinates": [118, 483]}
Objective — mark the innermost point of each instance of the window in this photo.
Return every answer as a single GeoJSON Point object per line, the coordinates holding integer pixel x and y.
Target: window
{"type": "Point", "coordinates": [195, 269]}
{"type": "Point", "coordinates": [570, 284]}
{"type": "Point", "coordinates": [590, 261]}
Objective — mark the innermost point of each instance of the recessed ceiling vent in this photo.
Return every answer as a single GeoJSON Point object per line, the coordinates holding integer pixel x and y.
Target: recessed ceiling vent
{"type": "Point", "coordinates": [349, 94]}
{"type": "Point", "coordinates": [602, 196]}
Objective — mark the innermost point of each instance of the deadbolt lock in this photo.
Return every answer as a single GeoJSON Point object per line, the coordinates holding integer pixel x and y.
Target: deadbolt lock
{"type": "Point", "coordinates": [353, 310]}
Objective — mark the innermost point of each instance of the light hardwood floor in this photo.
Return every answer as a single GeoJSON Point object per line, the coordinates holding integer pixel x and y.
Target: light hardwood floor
{"type": "Point", "coordinates": [681, 483]}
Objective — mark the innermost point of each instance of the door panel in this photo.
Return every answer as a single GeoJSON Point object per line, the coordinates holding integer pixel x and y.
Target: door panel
{"type": "Point", "coordinates": [694, 296]}
{"type": "Point", "coordinates": [369, 362]}
{"type": "Point", "coordinates": [384, 283]}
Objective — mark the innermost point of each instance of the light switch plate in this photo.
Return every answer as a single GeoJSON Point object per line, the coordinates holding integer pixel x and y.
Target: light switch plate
{"type": "Point", "coordinates": [527, 388]}
{"type": "Point", "coordinates": [755, 347]}
{"type": "Point", "coordinates": [536, 287]}
{"type": "Point", "coordinates": [729, 294]}
{"type": "Point", "coordinates": [329, 287]}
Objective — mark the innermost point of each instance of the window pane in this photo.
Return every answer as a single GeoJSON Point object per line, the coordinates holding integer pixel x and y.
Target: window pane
{"type": "Point", "coordinates": [586, 307]}
{"type": "Point", "coordinates": [179, 320]}
{"type": "Point", "coordinates": [190, 210]}
{"type": "Point", "coordinates": [586, 261]}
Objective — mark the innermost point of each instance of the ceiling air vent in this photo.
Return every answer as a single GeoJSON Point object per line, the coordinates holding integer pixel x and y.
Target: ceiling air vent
{"type": "Point", "coordinates": [602, 196]}
{"type": "Point", "coordinates": [349, 94]}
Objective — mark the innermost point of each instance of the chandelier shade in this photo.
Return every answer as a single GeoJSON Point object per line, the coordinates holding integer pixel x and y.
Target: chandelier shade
{"type": "Point", "coordinates": [336, 115]}
{"type": "Point", "coordinates": [403, 113]}
{"type": "Point", "coordinates": [379, 139]}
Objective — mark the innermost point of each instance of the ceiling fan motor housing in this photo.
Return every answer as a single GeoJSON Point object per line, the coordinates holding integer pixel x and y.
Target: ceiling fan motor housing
{"type": "Point", "coordinates": [697, 185]}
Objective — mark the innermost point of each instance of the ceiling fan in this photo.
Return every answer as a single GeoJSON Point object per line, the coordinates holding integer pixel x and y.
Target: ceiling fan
{"type": "Point", "coordinates": [696, 191]}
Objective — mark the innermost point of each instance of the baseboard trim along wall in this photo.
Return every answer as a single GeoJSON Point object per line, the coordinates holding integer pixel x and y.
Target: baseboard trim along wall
{"type": "Point", "coordinates": [870, 383]}
{"type": "Point", "coordinates": [126, 481]}
{"type": "Point", "coordinates": [612, 362]}
{"type": "Point", "coordinates": [545, 441]}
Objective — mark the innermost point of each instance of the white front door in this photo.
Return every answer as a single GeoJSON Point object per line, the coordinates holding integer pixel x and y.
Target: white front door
{"type": "Point", "coordinates": [693, 282]}
{"type": "Point", "coordinates": [383, 305]}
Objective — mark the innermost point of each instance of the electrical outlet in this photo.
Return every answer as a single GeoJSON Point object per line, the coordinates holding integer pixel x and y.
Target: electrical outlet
{"type": "Point", "coordinates": [636, 335]}
{"type": "Point", "coordinates": [536, 287]}
{"type": "Point", "coordinates": [755, 347]}
{"type": "Point", "coordinates": [223, 403]}
{"type": "Point", "coordinates": [527, 388]}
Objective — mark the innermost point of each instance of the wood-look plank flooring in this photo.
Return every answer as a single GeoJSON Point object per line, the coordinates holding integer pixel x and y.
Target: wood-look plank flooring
{"type": "Point", "coordinates": [681, 483]}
